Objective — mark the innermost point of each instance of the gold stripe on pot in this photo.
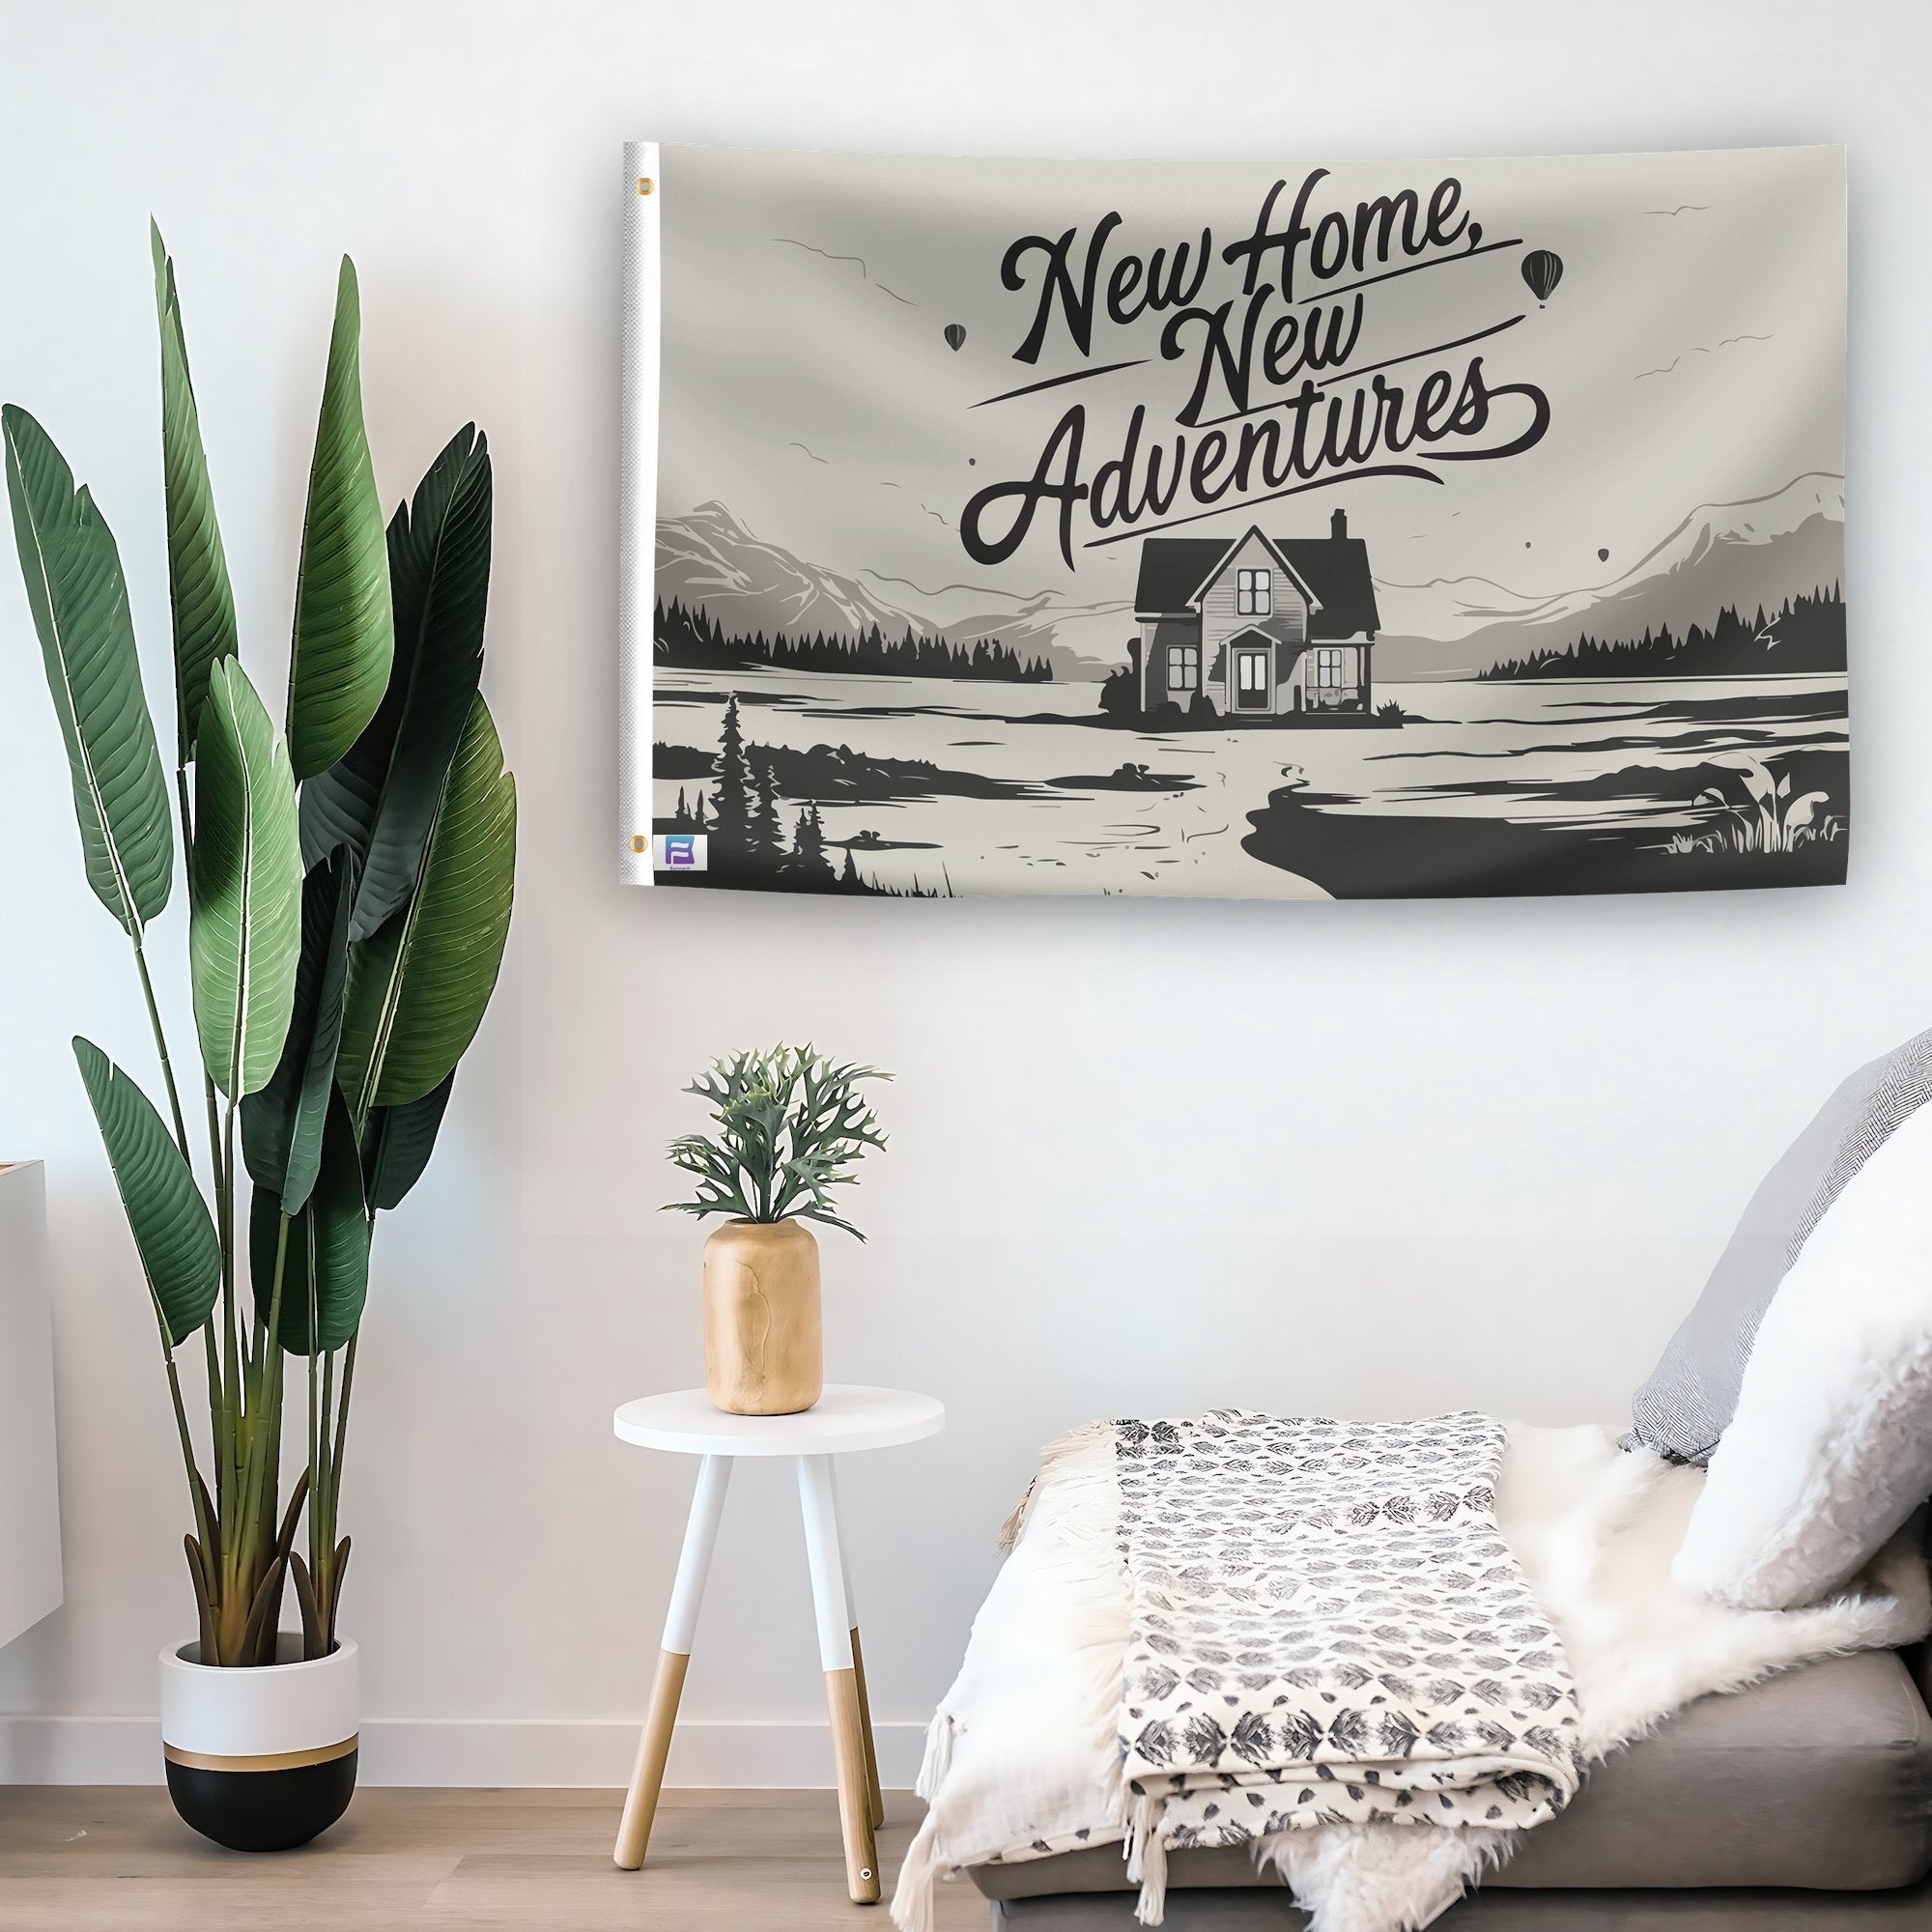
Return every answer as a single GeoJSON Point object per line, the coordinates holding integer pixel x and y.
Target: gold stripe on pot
{"type": "Point", "coordinates": [267, 1761]}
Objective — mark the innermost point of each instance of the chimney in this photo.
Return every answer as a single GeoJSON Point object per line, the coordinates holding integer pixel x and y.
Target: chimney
{"type": "Point", "coordinates": [1337, 526]}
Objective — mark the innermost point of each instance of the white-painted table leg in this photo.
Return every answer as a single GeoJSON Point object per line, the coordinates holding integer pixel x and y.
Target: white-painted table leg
{"type": "Point", "coordinates": [819, 1506]}
{"type": "Point", "coordinates": [876, 1795]}
{"type": "Point", "coordinates": [693, 1565]}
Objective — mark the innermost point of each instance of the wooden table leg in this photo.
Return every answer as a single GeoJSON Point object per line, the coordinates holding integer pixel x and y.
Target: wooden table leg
{"type": "Point", "coordinates": [693, 1564]}
{"type": "Point", "coordinates": [877, 1797]}
{"type": "Point", "coordinates": [820, 1511]}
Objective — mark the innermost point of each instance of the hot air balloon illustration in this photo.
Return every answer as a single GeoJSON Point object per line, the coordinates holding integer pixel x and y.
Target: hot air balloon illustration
{"type": "Point", "coordinates": [956, 336]}
{"type": "Point", "coordinates": [1541, 271]}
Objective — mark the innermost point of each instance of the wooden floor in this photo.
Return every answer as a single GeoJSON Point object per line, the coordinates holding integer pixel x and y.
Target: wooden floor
{"type": "Point", "coordinates": [75, 1859]}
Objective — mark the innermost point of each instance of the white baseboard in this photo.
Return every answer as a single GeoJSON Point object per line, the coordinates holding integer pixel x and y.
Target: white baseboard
{"type": "Point", "coordinates": [479, 1752]}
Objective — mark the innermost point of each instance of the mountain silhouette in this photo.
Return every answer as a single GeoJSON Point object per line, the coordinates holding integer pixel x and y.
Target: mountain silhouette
{"type": "Point", "coordinates": [708, 558]}
{"type": "Point", "coordinates": [1740, 555]}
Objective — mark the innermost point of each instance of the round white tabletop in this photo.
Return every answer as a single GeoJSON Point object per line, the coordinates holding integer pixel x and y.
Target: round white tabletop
{"type": "Point", "coordinates": [845, 1417]}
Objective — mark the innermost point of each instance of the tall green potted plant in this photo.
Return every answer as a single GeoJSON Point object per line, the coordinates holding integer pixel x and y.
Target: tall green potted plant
{"type": "Point", "coordinates": [348, 883]}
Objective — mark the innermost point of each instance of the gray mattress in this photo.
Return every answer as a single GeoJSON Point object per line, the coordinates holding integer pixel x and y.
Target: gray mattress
{"type": "Point", "coordinates": [1252, 1910]}
{"type": "Point", "coordinates": [1813, 1790]}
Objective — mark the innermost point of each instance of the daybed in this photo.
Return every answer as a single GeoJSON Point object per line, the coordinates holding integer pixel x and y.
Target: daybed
{"type": "Point", "coordinates": [1803, 1803]}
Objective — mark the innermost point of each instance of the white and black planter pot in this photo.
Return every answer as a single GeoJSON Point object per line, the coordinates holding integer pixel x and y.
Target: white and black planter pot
{"type": "Point", "coordinates": [261, 1760]}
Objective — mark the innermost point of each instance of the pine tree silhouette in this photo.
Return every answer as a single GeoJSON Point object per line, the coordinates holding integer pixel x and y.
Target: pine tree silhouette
{"type": "Point", "coordinates": [1805, 634]}
{"type": "Point", "coordinates": [765, 840]}
{"type": "Point", "coordinates": [732, 800]}
{"type": "Point", "coordinates": [808, 864]}
{"type": "Point", "coordinates": [693, 639]}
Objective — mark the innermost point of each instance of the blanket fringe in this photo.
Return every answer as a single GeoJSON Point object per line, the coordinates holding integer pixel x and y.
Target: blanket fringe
{"type": "Point", "coordinates": [1146, 1858]}
{"type": "Point", "coordinates": [1015, 1521]}
{"type": "Point", "coordinates": [1056, 1452]}
{"type": "Point", "coordinates": [938, 1758]}
{"type": "Point", "coordinates": [911, 1898]}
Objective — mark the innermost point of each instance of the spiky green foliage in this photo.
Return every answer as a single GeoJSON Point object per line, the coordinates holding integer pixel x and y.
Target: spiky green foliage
{"type": "Point", "coordinates": [381, 799]}
{"type": "Point", "coordinates": [397, 1143]}
{"type": "Point", "coordinates": [180, 1253]}
{"type": "Point", "coordinates": [245, 887]}
{"type": "Point", "coordinates": [324, 1264]}
{"type": "Point", "coordinates": [282, 1123]}
{"type": "Point", "coordinates": [345, 631]}
{"type": "Point", "coordinates": [790, 1128]}
{"type": "Point", "coordinates": [199, 596]}
{"type": "Point", "coordinates": [72, 568]}
{"type": "Point", "coordinates": [418, 985]}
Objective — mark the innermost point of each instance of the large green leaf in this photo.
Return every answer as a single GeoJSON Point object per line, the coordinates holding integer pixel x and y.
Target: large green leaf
{"type": "Point", "coordinates": [198, 589]}
{"type": "Point", "coordinates": [418, 987]}
{"type": "Point", "coordinates": [381, 797]}
{"type": "Point", "coordinates": [172, 1232]}
{"type": "Point", "coordinates": [281, 1126]}
{"type": "Point", "coordinates": [344, 636]}
{"type": "Point", "coordinates": [398, 1142]}
{"type": "Point", "coordinates": [326, 1263]}
{"type": "Point", "coordinates": [245, 887]}
{"type": "Point", "coordinates": [79, 601]}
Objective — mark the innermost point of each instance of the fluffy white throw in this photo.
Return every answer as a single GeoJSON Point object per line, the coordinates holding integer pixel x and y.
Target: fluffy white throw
{"type": "Point", "coordinates": [1023, 1756]}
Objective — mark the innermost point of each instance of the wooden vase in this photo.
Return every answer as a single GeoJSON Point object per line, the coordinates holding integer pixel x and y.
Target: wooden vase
{"type": "Point", "coordinates": [764, 1348]}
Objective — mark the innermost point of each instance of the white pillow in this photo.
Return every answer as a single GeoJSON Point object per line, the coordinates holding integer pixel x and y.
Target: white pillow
{"type": "Point", "coordinates": [1831, 1449]}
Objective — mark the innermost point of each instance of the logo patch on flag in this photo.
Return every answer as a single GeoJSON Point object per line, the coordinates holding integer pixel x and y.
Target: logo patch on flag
{"type": "Point", "coordinates": [679, 851]}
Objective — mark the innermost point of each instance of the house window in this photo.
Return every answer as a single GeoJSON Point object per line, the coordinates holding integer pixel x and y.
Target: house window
{"type": "Point", "coordinates": [1183, 666]}
{"type": "Point", "coordinates": [1327, 674]}
{"type": "Point", "coordinates": [1254, 594]}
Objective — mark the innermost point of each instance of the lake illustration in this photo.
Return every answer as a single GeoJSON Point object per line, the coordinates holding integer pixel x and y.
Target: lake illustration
{"type": "Point", "coordinates": [1231, 531]}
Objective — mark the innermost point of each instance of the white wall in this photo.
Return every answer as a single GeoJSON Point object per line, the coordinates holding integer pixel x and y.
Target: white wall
{"type": "Point", "coordinates": [1497, 1179]}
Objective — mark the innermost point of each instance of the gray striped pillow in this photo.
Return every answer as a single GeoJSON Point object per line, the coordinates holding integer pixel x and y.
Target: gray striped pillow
{"type": "Point", "coordinates": [1692, 1393]}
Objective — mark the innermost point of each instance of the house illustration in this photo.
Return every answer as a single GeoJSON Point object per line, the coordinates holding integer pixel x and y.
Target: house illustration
{"type": "Point", "coordinates": [1257, 626]}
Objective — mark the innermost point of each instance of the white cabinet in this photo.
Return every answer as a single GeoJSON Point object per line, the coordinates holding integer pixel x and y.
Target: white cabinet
{"type": "Point", "coordinates": [30, 1558]}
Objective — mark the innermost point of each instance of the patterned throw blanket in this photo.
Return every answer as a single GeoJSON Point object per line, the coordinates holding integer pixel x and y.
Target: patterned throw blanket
{"type": "Point", "coordinates": [1326, 1627]}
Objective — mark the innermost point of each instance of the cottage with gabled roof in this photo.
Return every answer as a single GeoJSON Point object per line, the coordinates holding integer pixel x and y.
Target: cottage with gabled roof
{"type": "Point", "coordinates": [1259, 627]}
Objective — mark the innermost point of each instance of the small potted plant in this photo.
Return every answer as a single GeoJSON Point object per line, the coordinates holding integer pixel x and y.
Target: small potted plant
{"type": "Point", "coordinates": [348, 888]}
{"type": "Point", "coordinates": [790, 1126]}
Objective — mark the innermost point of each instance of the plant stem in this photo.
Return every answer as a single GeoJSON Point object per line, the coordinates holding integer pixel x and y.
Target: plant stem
{"type": "Point", "coordinates": [220, 1432]}
{"type": "Point", "coordinates": [231, 1356]}
{"type": "Point", "coordinates": [234, 1417]}
{"type": "Point", "coordinates": [317, 1434]}
{"type": "Point", "coordinates": [203, 1530]}
{"type": "Point", "coordinates": [244, 1571]}
{"type": "Point", "coordinates": [161, 1046]}
{"type": "Point", "coordinates": [265, 1434]}
{"type": "Point", "coordinates": [202, 1526]}
{"type": "Point", "coordinates": [322, 1506]}
{"type": "Point", "coordinates": [186, 813]}
{"type": "Point", "coordinates": [342, 1423]}
{"type": "Point", "coordinates": [328, 1545]}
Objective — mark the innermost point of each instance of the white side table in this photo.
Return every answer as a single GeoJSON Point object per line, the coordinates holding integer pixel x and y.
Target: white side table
{"type": "Point", "coordinates": [844, 1419]}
